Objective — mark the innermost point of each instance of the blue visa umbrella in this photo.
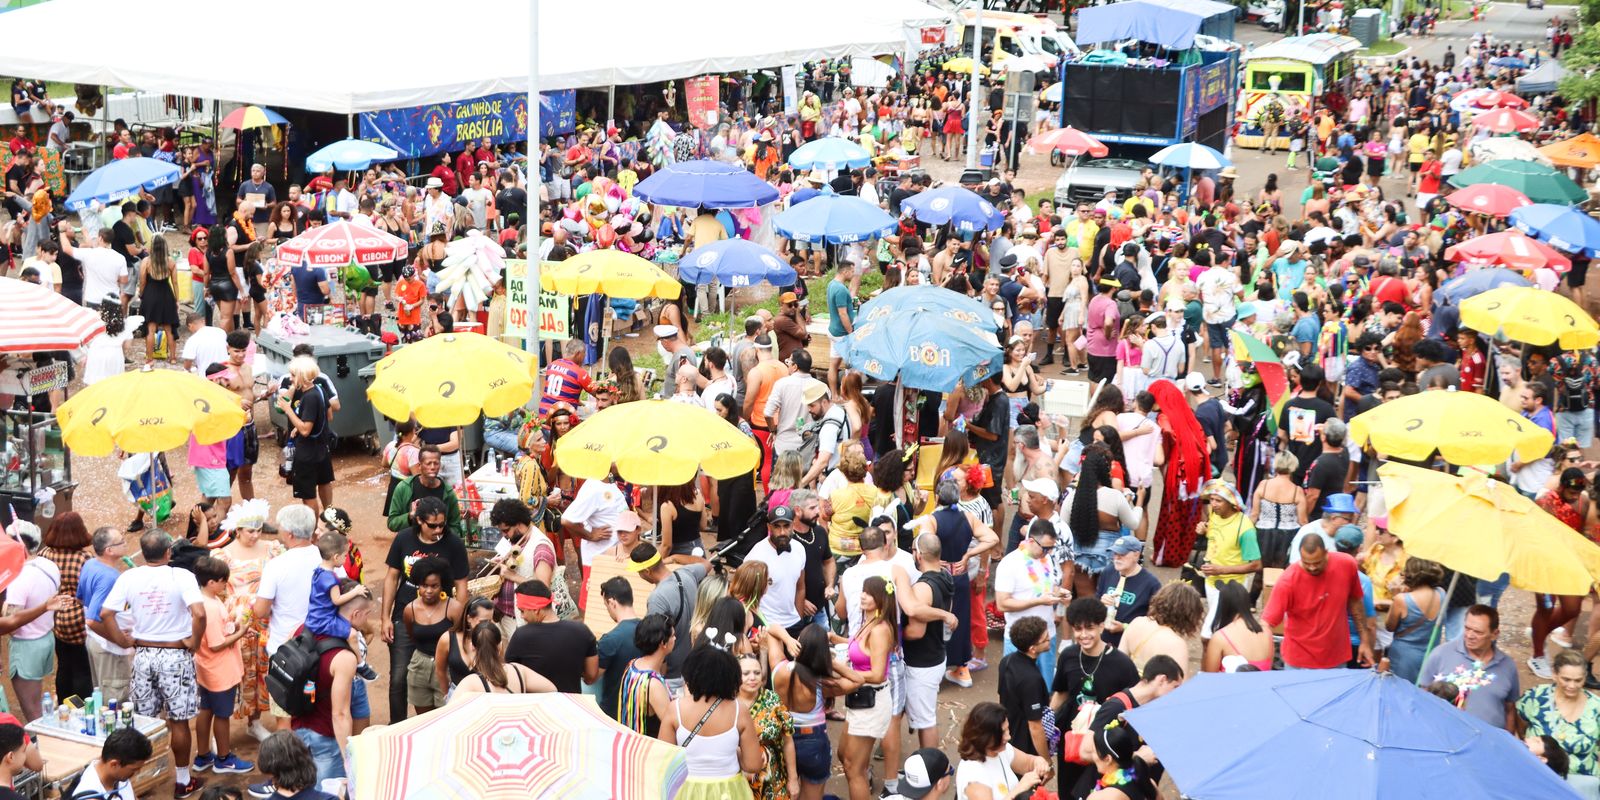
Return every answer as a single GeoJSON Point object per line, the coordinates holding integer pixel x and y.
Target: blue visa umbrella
{"type": "Point", "coordinates": [705, 184]}
{"type": "Point", "coordinates": [1479, 281]}
{"type": "Point", "coordinates": [927, 298]}
{"type": "Point", "coordinates": [1335, 734]}
{"type": "Point", "coordinates": [955, 205]}
{"type": "Point", "coordinates": [832, 219]}
{"type": "Point", "coordinates": [735, 262]}
{"type": "Point", "coordinates": [122, 179]}
{"type": "Point", "coordinates": [1563, 227]}
{"type": "Point", "coordinates": [349, 154]}
{"type": "Point", "coordinates": [830, 153]}
{"type": "Point", "coordinates": [924, 349]}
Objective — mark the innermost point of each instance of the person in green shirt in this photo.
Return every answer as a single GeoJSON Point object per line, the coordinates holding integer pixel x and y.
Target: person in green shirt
{"type": "Point", "coordinates": [1232, 553]}
{"type": "Point", "coordinates": [426, 483]}
{"type": "Point", "coordinates": [841, 318]}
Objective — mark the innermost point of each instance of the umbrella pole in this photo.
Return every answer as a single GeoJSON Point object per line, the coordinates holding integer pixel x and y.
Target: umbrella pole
{"type": "Point", "coordinates": [899, 413]}
{"type": "Point", "coordinates": [1438, 623]}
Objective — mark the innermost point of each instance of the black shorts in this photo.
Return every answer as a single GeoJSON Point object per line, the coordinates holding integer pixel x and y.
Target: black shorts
{"type": "Point", "coordinates": [1053, 306]}
{"type": "Point", "coordinates": [390, 272]}
{"type": "Point", "coordinates": [991, 495]}
{"type": "Point", "coordinates": [1578, 275]}
{"type": "Point", "coordinates": [306, 476]}
{"type": "Point", "coordinates": [223, 292]}
{"type": "Point", "coordinates": [1416, 167]}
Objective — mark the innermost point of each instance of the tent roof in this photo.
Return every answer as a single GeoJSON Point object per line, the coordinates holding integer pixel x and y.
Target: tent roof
{"type": "Point", "coordinates": [1317, 48]}
{"type": "Point", "coordinates": [1169, 23]}
{"type": "Point", "coordinates": [216, 61]}
{"type": "Point", "coordinates": [1544, 78]}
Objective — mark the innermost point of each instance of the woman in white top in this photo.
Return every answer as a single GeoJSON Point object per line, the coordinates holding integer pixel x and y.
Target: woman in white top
{"type": "Point", "coordinates": [714, 729]}
{"type": "Point", "coordinates": [990, 768]}
{"type": "Point", "coordinates": [105, 355]}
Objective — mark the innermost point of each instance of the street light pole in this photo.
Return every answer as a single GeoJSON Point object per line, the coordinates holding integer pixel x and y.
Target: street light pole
{"type": "Point", "coordinates": [972, 96]}
{"type": "Point", "coordinates": [535, 127]}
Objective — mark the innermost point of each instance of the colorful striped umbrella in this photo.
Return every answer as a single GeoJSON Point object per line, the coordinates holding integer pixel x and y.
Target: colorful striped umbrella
{"type": "Point", "coordinates": [252, 117]}
{"type": "Point", "coordinates": [343, 242]}
{"type": "Point", "coordinates": [33, 318]}
{"type": "Point", "coordinates": [1250, 350]}
{"type": "Point", "coordinates": [513, 747]}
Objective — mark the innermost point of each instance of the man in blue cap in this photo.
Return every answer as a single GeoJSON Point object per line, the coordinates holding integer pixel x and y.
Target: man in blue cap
{"type": "Point", "coordinates": [1338, 511]}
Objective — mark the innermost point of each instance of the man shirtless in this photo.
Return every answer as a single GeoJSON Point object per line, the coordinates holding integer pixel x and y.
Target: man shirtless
{"type": "Point", "coordinates": [243, 448]}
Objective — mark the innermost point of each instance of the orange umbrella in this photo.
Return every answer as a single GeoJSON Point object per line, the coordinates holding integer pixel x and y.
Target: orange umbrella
{"type": "Point", "coordinates": [1582, 151]}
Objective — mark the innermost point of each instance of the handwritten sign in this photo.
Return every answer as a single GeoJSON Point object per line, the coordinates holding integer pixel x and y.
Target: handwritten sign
{"type": "Point", "coordinates": [554, 318]}
{"type": "Point", "coordinates": [49, 378]}
{"type": "Point", "coordinates": [933, 35]}
{"type": "Point", "coordinates": [516, 300]}
{"type": "Point", "coordinates": [701, 94]}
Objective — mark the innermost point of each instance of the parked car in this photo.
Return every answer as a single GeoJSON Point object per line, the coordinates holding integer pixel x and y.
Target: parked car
{"type": "Point", "coordinates": [1089, 180]}
{"type": "Point", "coordinates": [1535, 3]}
{"type": "Point", "coordinates": [1268, 12]}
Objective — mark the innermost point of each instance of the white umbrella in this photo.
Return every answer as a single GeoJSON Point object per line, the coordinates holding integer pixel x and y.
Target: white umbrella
{"type": "Point", "coordinates": [870, 72]}
{"type": "Point", "coordinates": [1052, 93]}
{"type": "Point", "coordinates": [1507, 148]}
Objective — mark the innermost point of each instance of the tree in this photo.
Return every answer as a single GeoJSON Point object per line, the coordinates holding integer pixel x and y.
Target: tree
{"type": "Point", "coordinates": [1582, 60]}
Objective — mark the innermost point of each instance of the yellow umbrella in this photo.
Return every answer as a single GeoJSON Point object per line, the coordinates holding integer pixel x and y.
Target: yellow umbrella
{"type": "Point", "coordinates": [1533, 315]}
{"type": "Point", "coordinates": [608, 272]}
{"type": "Point", "coordinates": [1481, 527]}
{"type": "Point", "coordinates": [148, 411]}
{"type": "Point", "coordinates": [656, 443]}
{"type": "Point", "coordinates": [963, 65]}
{"type": "Point", "coordinates": [446, 381]}
{"type": "Point", "coordinates": [1465, 428]}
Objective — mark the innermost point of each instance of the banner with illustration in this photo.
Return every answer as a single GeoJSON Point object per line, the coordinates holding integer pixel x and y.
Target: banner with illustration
{"type": "Point", "coordinates": [446, 127]}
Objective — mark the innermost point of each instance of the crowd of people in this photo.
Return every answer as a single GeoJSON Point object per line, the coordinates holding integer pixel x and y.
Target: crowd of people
{"type": "Point", "coordinates": [883, 538]}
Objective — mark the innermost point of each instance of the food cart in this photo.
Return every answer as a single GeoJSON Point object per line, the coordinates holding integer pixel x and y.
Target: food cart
{"type": "Point", "coordinates": [67, 753]}
{"type": "Point", "coordinates": [1303, 73]}
{"type": "Point", "coordinates": [36, 478]}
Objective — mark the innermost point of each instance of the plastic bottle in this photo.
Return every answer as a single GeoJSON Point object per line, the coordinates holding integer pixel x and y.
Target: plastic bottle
{"type": "Point", "coordinates": [47, 701]}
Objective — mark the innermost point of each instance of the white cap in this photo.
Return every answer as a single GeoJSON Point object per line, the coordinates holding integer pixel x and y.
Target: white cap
{"type": "Point", "coordinates": [1044, 487]}
{"type": "Point", "coordinates": [1194, 382]}
{"type": "Point", "coordinates": [666, 331]}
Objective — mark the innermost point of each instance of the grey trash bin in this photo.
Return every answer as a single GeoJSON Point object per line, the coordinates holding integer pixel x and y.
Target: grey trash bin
{"type": "Point", "coordinates": [341, 354]}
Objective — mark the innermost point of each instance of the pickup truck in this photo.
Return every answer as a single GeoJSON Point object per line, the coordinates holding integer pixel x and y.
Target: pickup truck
{"type": "Point", "coordinates": [1089, 180]}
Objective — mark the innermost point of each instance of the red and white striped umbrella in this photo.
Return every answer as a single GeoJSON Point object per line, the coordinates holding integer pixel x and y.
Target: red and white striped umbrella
{"type": "Point", "coordinates": [341, 243]}
{"type": "Point", "coordinates": [33, 318]}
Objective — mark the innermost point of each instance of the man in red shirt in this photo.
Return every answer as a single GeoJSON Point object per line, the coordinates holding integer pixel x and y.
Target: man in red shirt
{"type": "Point", "coordinates": [1472, 360]}
{"type": "Point", "coordinates": [466, 164]}
{"type": "Point", "coordinates": [21, 143]}
{"type": "Point", "coordinates": [1428, 185]}
{"type": "Point", "coordinates": [565, 380]}
{"type": "Point", "coordinates": [446, 176]}
{"type": "Point", "coordinates": [1314, 600]}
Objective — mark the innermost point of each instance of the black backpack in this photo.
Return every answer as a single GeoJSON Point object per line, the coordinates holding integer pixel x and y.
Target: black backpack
{"type": "Point", "coordinates": [292, 671]}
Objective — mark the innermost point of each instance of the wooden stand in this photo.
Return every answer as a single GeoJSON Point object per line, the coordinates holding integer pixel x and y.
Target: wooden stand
{"type": "Point", "coordinates": [64, 759]}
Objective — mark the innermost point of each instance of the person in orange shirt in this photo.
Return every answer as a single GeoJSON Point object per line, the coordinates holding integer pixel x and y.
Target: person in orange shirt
{"type": "Point", "coordinates": [410, 292]}
{"type": "Point", "coordinates": [1325, 128]}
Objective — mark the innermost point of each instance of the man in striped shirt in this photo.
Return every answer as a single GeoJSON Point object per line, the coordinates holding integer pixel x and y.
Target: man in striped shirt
{"type": "Point", "coordinates": [565, 380]}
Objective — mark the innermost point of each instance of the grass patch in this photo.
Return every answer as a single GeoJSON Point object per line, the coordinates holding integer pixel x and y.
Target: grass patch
{"type": "Point", "coordinates": [1382, 47]}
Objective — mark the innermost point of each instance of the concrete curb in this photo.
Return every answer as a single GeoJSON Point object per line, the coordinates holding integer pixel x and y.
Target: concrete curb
{"type": "Point", "coordinates": [1382, 58]}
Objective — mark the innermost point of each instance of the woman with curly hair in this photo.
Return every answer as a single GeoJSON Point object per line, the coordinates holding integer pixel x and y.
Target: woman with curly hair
{"type": "Point", "coordinates": [1174, 621]}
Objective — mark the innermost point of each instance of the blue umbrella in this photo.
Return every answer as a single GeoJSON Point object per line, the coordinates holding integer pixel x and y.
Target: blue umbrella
{"type": "Point", "coordinates": [1508, 62]}
{"type": "Point", "coordinates": [927, 298]}
{"type": "Point", "coordinates": [955, 205]}
{"type": "Point", "coordinates": [925, 349]}
{"type": "Point", "coordinates": [349, 154]}
{"type": "Point", "coordinates": [1562, 227]}
{"type": "Point", "coordinates": [735, 262]}
{"type": "Point", "coordinates": [1477, 282]}
{"type": "Point", "coordinates": [830, 152]}
{"type": "Point", "coordinates": [832, 218]}
{"type": "Point", "coordinates": [1332, 734]}
{"type": "Point", "coordinates": [1190, 155]}
{"type": "Point", "coordinates": [709, 184]}
{"type": "Point", "coordinates": [122, 179]}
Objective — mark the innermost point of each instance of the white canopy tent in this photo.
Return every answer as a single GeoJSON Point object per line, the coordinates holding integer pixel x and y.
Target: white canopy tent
{"type": "Point", "coordinates": [114, 42]}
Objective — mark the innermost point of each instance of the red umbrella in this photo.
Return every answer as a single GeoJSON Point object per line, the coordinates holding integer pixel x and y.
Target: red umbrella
{"type": "Point", "coordinates": [1070, 141]}
{"type": "Point", "coordinates": [1512, 248]}
{"type": "Point", "coordinates": [341, 243]}
{"type": "Point", "coordinates": [1496, 99]}
{"type": "Point", "coordinates": [1506, 120]}
{"type": "Point", "coordinates": [33, 318]}
{"type": "Point", "coordinates": [1489, 198]}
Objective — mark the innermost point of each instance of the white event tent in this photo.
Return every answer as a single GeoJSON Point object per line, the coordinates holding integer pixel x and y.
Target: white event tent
{"type": "Point", "coordinates": [350, 56]}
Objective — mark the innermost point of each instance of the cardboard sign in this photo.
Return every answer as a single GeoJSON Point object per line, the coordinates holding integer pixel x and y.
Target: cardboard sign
{"type": "Point", "coordinates": [604, 568]}
{"type": "Point", "coordinates": [516, 300]}
{"type": "Point", "coordinates": [554, 317]}
{"type": "Point", "coordinates": [49, 378]}
{"type": "Point", "coordinates": [701, 94]}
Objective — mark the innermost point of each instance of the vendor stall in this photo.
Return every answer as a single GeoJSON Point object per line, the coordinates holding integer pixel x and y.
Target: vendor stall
{"type": "Point", "coordinates": [36, 482]}
{"type": "Point", "coordinates": [1297, 72]}
{"type": "Point", "coordinates": [67, 753]}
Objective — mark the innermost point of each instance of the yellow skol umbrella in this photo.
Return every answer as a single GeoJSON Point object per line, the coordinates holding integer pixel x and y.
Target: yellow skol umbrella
{"type": "Point", "coordinates": [608, 272]}
{"type": "Point", "coordinates": [1481, 527]}
{"type": "Point", "coordinates": [1532, 315]}
{"type": "Point", "coordinates": [656, 443]}
{"type": "Point", "coordinates": [1465, 428]}
{"type": "Point", "coordinates": [446, 381]}
{"type": "Point", "coordinates": [148, 411]}
{"type": "Point", "coordinates": [963, 65]}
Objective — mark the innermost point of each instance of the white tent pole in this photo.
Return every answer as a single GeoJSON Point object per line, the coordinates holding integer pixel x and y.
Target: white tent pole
{"type": "Point", "coordinates": [532, 171]}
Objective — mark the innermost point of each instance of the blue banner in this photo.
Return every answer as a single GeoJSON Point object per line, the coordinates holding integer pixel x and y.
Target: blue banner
{"type": "Point", "coordinates": [425, 130]}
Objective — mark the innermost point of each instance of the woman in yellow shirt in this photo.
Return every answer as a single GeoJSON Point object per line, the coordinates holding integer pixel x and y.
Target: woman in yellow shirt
{"type": "Point", "coordinates": [1232, 553]}
{"type": "Point", "coordinates": [852, 505]}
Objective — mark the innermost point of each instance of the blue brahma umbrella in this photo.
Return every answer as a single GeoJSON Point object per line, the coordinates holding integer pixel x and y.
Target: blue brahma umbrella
{"type": "Point", "coordinates": [349, 154]}
{"type": "Point", "coordinates": [1563, 227]}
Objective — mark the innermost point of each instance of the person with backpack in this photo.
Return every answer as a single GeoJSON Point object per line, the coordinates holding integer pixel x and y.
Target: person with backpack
{"type": "Point", "coordinates": [169, 619]}
{"type": "Point", "coordinates": [309, 453]}
{"type": "Point", "coordinates": [321, 718]}
{"type": "Point", "coordinates": [1574, 373]}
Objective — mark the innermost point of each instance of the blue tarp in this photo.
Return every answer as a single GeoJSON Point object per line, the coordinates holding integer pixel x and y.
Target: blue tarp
{"type": "Point", "coordinates": [1169, 23]}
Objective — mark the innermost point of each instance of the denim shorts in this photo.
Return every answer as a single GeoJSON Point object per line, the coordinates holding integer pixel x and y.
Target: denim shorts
{"type": "Point", "coordinates": [1094, 558]}
{"type": "Point", "coordinates": [813, 756]}
{"type": "Point", "coordinates": [360, 708]}
{"type": "Point", "coordinates": [324, 753]}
